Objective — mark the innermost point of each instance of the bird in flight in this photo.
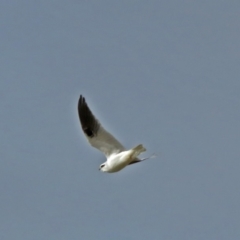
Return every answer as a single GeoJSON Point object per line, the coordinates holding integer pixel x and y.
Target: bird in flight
{"type": "Point", "coordinates": [117, 156]}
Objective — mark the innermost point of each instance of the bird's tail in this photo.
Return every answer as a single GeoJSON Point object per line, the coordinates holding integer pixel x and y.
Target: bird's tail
{"type": "Point", "coordinates": [138, 149]}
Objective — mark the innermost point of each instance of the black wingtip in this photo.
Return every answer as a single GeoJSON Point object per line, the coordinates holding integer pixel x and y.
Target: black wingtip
{"type": "Point", "coordinates": [88, 122]}
{"type": "Point", "coordinates": [81, 104]}
{"type": "Point", "coordinates": [81, 100]}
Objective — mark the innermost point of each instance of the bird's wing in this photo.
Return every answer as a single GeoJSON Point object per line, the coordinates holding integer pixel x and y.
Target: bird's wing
{"type": "Point", "coordinates": [97, 136]}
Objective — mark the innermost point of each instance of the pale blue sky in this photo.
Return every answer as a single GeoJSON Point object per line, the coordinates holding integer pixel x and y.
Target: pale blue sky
{"type": "Point", "coordinates": [162, 73]}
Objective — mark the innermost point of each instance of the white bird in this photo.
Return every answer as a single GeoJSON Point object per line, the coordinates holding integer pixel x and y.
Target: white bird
{"type": "Point", "coordinates": [117, 156]}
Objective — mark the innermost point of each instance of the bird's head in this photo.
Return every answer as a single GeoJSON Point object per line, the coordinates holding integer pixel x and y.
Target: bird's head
{"type": "Point", "coordinates": [103, 167]}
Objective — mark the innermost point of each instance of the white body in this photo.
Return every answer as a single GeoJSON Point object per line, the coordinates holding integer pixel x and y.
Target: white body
{"type": "Point", "coordinates": [117, 162]}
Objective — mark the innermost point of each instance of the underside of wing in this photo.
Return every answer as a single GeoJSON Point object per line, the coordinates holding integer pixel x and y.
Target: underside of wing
{"type": "Point", "coordinates": [97, 136]}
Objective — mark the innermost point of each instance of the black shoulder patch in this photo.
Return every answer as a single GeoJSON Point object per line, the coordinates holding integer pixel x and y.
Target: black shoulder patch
{"type": "Point", "coordinates": [88, 132]}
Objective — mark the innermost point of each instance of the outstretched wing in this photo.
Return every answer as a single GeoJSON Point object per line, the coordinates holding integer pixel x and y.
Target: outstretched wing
{"type": "Point", "coordinates": [97, 136]}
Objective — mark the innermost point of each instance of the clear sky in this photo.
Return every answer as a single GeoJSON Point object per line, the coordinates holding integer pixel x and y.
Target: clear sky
{"type": "Point", "coordinates": [162, 73]}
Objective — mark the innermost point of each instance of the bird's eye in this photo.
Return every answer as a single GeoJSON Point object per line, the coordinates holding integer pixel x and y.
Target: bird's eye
{"type": "Point", "coordinates": [102, 166]}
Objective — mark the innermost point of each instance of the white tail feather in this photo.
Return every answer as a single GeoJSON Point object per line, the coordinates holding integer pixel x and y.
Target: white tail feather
{"type": "Point", "coordinates": [152, 156]}
{"type": "Point", "coordinates": [139, 149]}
